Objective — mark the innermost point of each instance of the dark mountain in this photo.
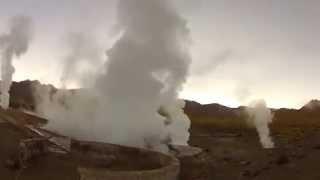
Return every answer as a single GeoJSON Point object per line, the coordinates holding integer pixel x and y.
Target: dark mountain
{"type": "Point", "coordinates": [195, 109]}
{"type": "Point", "coordinates": [313, 105]}
{"type": "Point", "coordinates": [22, 96]}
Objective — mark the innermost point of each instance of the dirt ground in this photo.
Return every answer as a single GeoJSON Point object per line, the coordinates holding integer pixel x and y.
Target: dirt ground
{"type": "Point", "coordinates": [50, 167]}
{"type": "Point", "coordinates": [237, 155]}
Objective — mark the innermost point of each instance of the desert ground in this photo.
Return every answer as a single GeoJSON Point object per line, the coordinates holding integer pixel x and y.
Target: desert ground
{"type": "Point", "coordinates": [237, 154]}
{"type": "Point", "coordinates": [234, 149]}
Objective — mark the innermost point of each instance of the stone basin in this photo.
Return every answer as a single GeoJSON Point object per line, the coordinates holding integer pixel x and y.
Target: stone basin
{"type": "Point", "coordinates": [102, 161]}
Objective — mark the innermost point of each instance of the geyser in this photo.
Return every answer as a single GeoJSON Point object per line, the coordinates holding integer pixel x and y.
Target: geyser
{"type": "Point", "coordinates": [14, 43]}
{"type": "Point", "coordinates": [135, 102]}
{"type": "Point", "coordinates": [261, 116]}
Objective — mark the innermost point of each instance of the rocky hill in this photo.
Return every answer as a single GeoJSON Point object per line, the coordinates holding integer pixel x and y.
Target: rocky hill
{"type": "Point", "coordinates": [22, 96]}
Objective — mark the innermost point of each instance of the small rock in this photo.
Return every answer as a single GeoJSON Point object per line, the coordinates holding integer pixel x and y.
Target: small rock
{"type": "Point", "coordinates": [256, 173]}
{"type": "Point", "coordinates": [283, 159]}
{"type": "Point", "coordinates": [298, 155]}
{"type": "Point", "coordinates": [250, 173]}
{"type": "Point", "coordinates": [207, 150]}
{"type": "Point", "coordinates": [12, 164]}
{"type": "Point", "coordinates": [245, 163]}
{"type": "Point", "coordinates": [227, 159]}
{"type": "Point", "coordinates": [292, 166]}
{"type": "Point", "coordinates": [246, 173]}
{"type": "Point", "coordinates": [317, 147]}
{"type": "Point", "coordinates": [266, 167]}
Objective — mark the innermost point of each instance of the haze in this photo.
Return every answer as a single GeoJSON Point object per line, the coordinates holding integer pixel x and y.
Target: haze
{"type": "Point", "coordinates": [241, 49]}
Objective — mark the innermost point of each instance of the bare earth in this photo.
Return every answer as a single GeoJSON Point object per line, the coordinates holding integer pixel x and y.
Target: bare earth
{"type": "Point", "coordinates": [237, 155]}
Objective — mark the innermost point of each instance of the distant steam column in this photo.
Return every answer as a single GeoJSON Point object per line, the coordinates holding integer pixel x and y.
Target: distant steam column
{"type": "Point", "coordinates": [14, 43]}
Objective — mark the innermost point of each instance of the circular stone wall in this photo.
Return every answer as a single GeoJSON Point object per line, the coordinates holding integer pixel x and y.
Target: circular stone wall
{"type": "Point", "coordinates": [100, 161]}
{"type": "Point", "coordinates": [193, 163]}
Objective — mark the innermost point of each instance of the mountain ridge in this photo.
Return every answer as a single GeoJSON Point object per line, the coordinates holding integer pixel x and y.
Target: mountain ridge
{"type": "Point", "coordinates": [22, 96]}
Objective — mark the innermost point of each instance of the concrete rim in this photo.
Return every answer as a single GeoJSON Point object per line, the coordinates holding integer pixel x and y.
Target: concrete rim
{"type": "Point", "coordinates": [169, 166]}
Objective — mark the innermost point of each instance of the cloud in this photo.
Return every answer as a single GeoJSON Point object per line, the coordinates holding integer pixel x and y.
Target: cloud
{"type": "Point", "coordinates": [218, 59]}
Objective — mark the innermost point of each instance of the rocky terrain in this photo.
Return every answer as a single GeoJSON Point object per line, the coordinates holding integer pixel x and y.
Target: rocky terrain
{"type": "Point", "coordinates": [231, 146]}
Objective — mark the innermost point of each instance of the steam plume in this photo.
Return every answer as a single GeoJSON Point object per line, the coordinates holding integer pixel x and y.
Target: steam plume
{"type": "Point", "coordinates": [261, 117]}
{"type": "Point", "coordinates": [81, 62]}
{"type": "Point", "coordinates": [15, 43]}
{"type": "Point", "coordinates": [215, 62]}
{"type": "Point", "coordinates": [136, 101]}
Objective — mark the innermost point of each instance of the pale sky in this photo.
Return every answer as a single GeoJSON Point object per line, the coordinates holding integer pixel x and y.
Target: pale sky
{"type": "Point", "coordinates": [241, 49]}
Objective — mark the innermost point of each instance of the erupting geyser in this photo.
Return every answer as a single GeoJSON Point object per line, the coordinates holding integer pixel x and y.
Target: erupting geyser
{"type": "Point", "coordinates": [135, 102]}
{"type": "Point", "coordinates": [14, 43]}
{"type": "Point", "coordinates": [261, 116]}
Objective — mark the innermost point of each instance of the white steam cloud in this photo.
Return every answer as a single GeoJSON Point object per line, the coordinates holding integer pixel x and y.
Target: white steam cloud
{"type": "Point", "coordinates": [135, 102]}
{"type": "Point", "coordinates": [242, 93]}
{"type": "Point", "coordinates": [14, 43]}
{"type": "Point", "coordinates": [261, 116]}
{"type": "Point", "coordinates": [218, 60]}
{"type": "Point", "coordinates": [84, 57]}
